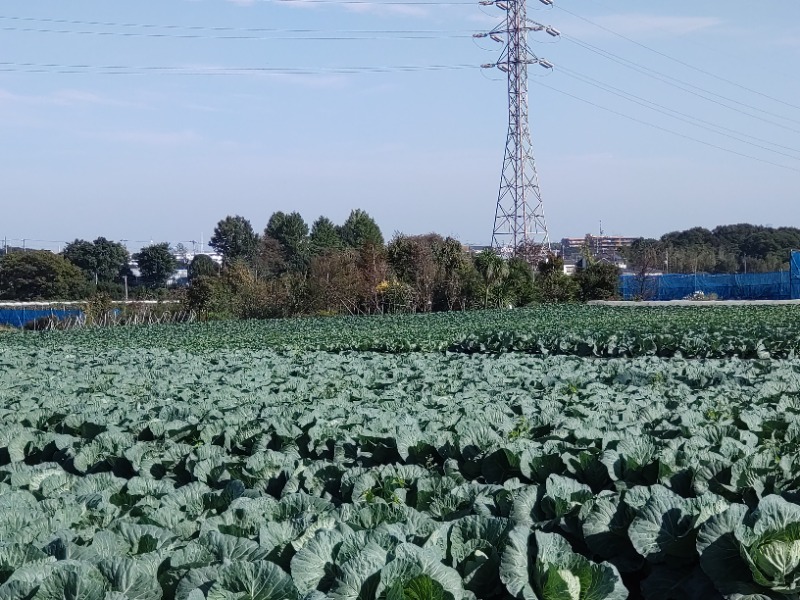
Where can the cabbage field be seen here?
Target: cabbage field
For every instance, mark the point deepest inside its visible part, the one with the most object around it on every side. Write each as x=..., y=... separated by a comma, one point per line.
x=557, y=453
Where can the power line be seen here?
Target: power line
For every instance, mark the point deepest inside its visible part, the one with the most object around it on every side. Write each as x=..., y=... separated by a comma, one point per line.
x=470, y=5
x=681, y=85
x=665, y=129
x=729, y=53
x=678, y=61
x=220, y=29
x=371, y=2
x=65, y=69
x=681, y=116
x=366, y=35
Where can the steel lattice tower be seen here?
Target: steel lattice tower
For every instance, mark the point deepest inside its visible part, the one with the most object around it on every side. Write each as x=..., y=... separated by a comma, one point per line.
x=519, y=223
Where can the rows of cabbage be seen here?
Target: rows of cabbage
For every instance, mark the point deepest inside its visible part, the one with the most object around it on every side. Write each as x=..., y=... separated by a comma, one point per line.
x=706, y=332
x=267, y=475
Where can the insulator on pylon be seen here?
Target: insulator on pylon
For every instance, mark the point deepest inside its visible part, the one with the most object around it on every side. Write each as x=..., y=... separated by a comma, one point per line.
x=488, y=66
x=553, y=31
x=545, y=63
x=548, y=2
x=496, y=37
x=479, y=35
x=486, y=2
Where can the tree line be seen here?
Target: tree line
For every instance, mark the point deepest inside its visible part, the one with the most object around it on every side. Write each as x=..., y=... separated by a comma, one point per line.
x=291, y=268
x=741, y=248
x=296, y=269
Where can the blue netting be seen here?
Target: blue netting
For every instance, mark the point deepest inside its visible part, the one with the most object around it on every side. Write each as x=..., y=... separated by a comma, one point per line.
x=18, y=317
x=750, y=286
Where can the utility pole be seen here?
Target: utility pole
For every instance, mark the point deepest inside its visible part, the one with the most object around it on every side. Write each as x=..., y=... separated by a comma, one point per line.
x=519, y=223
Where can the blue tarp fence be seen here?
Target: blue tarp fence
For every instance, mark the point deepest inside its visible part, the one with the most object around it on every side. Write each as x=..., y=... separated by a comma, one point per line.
x=783, y=285
x=17, y=317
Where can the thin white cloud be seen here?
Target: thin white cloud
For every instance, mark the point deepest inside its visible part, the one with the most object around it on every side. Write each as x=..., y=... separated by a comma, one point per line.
x=150, y=138
x=789, y=41
x=374, y=8
x=299, y=76
x=7, y=97
x=66, y=98
x=388, y=9
x=72, y=97
x=312, y=80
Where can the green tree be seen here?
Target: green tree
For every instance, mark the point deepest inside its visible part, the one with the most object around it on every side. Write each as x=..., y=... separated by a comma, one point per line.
x=451, y=261
x=494, y=270
x=202, y=265
x=413, y=260
x=373, y=270
x=81, y=254
x=209, y=297
x=156, y=264
x=360, y=229
x=552, y=284
x=101, y=260
x=270, y=262
x=40, y=275
x=291, y=232
x=518, y=289
x=436, y=273
x=324, y=236
x=333, y=281
x=235, y=239
x=646, y=257
x=696, y=236
x=730, y=248
x=598, y=281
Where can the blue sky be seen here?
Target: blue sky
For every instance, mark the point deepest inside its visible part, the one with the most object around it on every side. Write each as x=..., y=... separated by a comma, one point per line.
x=153, y=120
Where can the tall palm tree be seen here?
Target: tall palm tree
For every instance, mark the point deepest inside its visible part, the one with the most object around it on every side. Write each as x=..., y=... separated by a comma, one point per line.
x=494, y=270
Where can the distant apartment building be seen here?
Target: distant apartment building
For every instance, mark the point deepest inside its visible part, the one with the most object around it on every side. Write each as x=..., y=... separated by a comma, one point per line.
x=597, y=245
x=606, y=248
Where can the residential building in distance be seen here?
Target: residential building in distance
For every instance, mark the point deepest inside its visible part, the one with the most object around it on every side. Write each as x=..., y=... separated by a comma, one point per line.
x=605, y=248
x=597, y=245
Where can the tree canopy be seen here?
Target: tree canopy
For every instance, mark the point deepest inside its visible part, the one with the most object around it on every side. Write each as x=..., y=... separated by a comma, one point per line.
x=598, y=281
x=360, y=229
x=40, y=275
x=235, y=239
x=101, y=259
x=291, y=233
x=724, y=249
x=324, y=236
x=156, y=264
x=202, y=265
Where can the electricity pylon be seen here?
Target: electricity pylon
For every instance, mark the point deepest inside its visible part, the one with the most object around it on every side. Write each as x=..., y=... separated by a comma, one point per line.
x=519, y=223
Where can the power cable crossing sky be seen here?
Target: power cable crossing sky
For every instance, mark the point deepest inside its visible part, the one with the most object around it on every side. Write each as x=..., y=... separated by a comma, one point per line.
x=692, y=97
